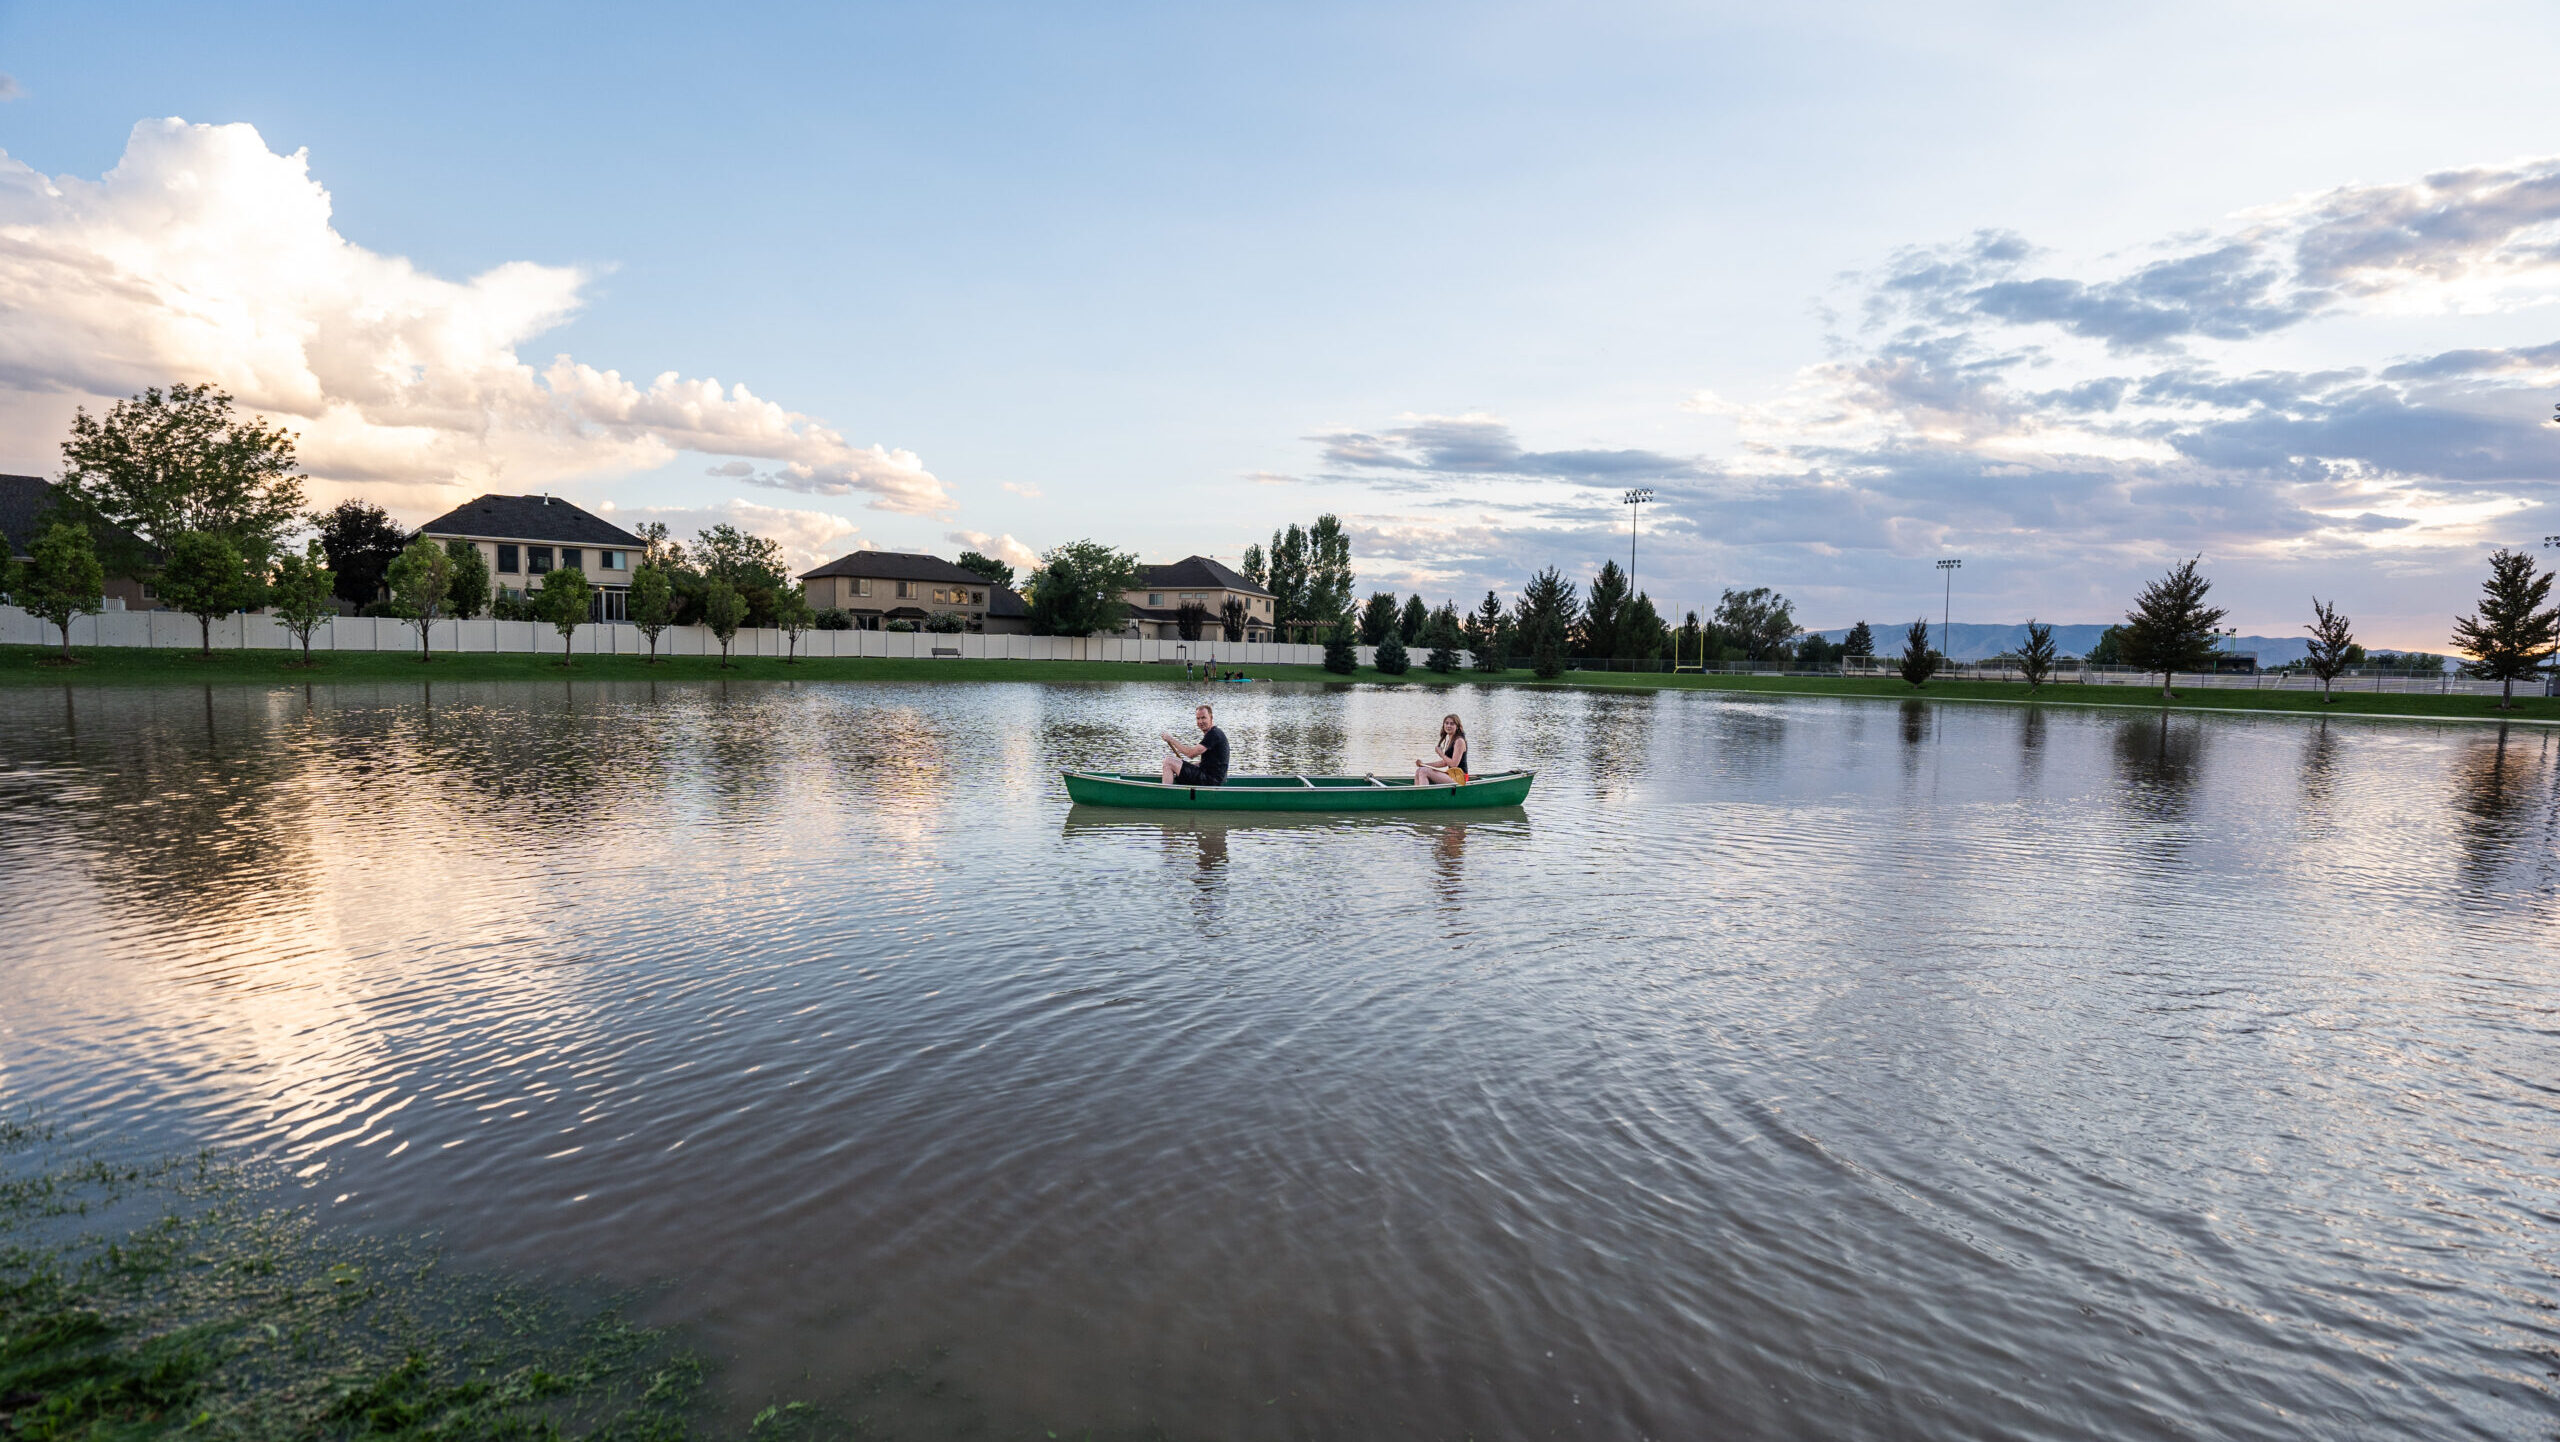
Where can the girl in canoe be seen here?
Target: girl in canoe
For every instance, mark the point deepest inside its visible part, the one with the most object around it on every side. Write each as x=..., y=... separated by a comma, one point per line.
x=1447, y=765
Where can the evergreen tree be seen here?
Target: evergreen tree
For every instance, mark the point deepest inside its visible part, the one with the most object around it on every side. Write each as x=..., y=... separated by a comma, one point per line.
x=2170, y=628
x=1253, y=567
x=1860, y=641
x=1546, y=647
x=470, y=580
x=301, y=593
x=1329, y=575
x=1601, y=611
x=1288, y=583
x=1416, y=615
x=1378, y=617
x=2515, y=631
x=1548, y=598
x=1391, y=655
x=653, y=604
x=1640, y=631
x=2332, y=642
x=2036, y=658
x=420, y=579
x=203, y=575
x=1190, y=620
x=1341, y=655
x=1445, y=635
x=1919, y=658
x=1485, y=634
x=62, y=579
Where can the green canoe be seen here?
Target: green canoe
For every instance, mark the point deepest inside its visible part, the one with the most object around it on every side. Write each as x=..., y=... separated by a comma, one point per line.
x=1300, y=793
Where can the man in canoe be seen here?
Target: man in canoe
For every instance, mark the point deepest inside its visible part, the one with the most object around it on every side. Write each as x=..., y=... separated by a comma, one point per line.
x=1201, y=765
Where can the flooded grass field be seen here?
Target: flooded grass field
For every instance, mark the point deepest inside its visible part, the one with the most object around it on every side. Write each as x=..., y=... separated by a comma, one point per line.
x=1785, y=1067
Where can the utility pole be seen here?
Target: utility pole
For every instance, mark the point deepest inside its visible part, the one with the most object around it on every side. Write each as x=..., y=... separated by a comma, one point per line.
x=1632, y=499
x=1948, y=569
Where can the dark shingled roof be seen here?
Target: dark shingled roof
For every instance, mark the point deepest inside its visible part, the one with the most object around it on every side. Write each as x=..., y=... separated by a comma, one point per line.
x=24, y=500
x=1197, y=573
x=1006, y=601
x=531, y=518
x=895, y=566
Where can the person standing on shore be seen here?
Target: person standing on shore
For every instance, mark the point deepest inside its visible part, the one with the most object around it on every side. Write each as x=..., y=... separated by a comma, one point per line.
x=1202, y=765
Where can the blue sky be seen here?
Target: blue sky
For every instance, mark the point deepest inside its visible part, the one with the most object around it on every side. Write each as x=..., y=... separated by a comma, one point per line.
x=1852, y=288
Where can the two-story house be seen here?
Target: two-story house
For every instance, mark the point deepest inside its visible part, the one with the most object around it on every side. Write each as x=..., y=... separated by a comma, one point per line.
x=24, y=501
x=877, y=587
x=1155, y=605
x=524, y=538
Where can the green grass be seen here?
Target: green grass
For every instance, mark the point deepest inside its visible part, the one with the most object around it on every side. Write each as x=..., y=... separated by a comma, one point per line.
x=129, y=666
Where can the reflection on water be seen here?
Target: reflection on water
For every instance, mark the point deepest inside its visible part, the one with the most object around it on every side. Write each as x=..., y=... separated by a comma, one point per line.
x=1785, y=1068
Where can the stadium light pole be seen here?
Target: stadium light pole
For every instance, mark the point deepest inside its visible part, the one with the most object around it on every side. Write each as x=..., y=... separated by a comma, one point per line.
x=1632, y=499
x=1946, y=616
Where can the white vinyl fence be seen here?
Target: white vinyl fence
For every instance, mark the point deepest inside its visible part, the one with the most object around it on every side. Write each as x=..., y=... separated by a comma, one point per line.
x=174, y=630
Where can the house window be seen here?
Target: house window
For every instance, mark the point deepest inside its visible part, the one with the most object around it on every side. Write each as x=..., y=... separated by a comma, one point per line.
x=613, y=560
x=977, y=598
x=862, y=585
x=572, y=559
x=611, y=603
x=507, y=561
x=537, y=559
x=1155, y=598
x=906, y=590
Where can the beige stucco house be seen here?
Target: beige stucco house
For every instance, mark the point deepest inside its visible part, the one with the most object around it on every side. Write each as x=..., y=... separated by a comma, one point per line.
x=876, y=587
x=1155, y=605
x=523, y=538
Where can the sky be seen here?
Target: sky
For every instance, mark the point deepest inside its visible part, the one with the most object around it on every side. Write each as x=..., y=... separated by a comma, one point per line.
x=2069, y=293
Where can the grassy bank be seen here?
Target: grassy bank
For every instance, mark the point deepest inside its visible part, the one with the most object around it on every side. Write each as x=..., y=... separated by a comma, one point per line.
x=129, y=666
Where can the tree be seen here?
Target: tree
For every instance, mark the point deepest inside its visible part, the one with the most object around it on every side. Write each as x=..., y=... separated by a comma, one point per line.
x=203, y=575
x=1329, y=575
x=722, y=610
x=652, y=603
x=1444, y=635
x=1813, y=650
x=62, y=580
x=2108, y=649
x=2036, y=658
x=421, y=578
x=470, y=580
x=1391, y=655
x=1640, y=630
x=1288, y=582
x=1340, y=657
x=1415, y=616
x=2332, y=639
x=750, y=563
x=1378, y=617
x=1253, y=567
x=1919, y=658
x=1484, y=634
x=2170, y=628
x=566, y=601
x=656, y=549
x=1077, y=590
x=988, y=568
x=1859, y=642
x=795, y=616
x=1190, y=619
x=300, y=593
x=1602, y=608
x=2515, y=630
x=1231, y=618
x=1546, y=647
x=166, y=463
x=1760, y=620
x=361, y=541
x=946, y=623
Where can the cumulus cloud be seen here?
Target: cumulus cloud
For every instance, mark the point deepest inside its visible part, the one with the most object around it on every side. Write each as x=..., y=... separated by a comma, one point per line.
x=1004, y=548
x=808, y=538
x=205, y=256
x=1028, y=493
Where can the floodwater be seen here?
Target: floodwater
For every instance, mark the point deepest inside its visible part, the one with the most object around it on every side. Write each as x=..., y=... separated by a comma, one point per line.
x=1784, y=1068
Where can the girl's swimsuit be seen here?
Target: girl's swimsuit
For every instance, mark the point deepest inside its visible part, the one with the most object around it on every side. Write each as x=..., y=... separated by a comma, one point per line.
x=1447, y=751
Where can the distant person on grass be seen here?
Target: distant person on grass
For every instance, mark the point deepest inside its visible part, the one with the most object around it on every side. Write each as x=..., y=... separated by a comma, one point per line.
x=1207, y=762
x=1447, y=763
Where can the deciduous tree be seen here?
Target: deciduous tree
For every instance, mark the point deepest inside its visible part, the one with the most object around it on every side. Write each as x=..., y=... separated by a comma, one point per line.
x=361, y=541
x=1759, y=620
x=792, y=613
x=2170, y=628
x=988, y=568
x=471, y=580
x=421, y=577
x=62, y=579
x=2333, y=644
x=203, y=575
x=723, y=610
x=653, y=604
x=1078, y=589
x=2516, y=629
x=301, y=592
x=567, y=602
x=166, y=463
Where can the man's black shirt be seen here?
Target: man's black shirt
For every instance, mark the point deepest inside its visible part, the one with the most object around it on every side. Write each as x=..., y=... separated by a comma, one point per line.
x=1213, y=756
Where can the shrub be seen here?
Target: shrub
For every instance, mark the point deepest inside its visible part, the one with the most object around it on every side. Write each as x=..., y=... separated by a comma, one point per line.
x=946, y=623
x=1391, y=656
x=834, y=618
x=899, y=626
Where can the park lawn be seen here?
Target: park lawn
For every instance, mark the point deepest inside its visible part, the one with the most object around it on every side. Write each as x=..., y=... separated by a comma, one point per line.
x=128, y=666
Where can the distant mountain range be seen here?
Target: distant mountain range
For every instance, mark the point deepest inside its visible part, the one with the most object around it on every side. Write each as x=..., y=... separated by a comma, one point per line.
x=1967, y=642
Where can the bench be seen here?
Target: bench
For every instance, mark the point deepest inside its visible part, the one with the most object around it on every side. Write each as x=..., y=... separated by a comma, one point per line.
x=951, y=651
